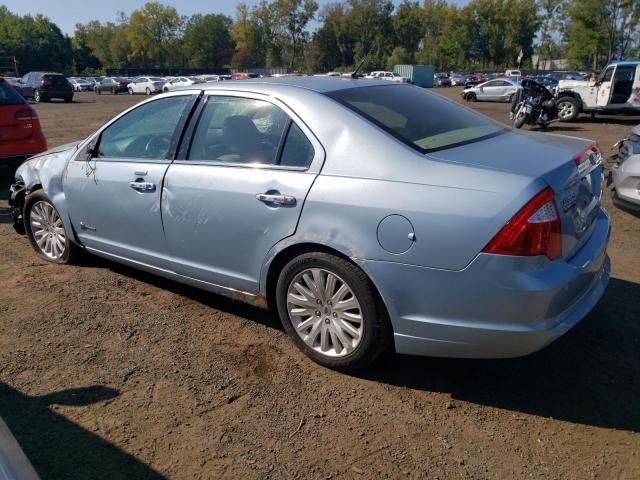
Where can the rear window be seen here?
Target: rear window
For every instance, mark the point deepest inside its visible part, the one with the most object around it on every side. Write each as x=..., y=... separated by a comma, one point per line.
x=55, y=79
x=423, y=120
x=8, y=95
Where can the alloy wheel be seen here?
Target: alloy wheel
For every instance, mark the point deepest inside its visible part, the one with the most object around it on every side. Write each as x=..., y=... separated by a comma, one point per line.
x=325, y=312
x=48, y=230
x=565, y=110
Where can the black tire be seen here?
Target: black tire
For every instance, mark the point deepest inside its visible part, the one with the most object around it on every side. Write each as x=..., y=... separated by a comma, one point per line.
x=165, y=90
x=37, y=97
x=68, y=99
x=147, y=91
x=471, y=97
x=515, y=100
x=568, y=108
x=376, y=329
x=130, y=91
x=511, y=98
x=71, y=250
x=113, y=91
x=520, y=121
x=98, y=91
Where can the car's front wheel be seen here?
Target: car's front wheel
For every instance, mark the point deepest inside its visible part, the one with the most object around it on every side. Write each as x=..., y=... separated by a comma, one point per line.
x=147, y=91
x=130, y=91
x=46, y=231
x=330, y=309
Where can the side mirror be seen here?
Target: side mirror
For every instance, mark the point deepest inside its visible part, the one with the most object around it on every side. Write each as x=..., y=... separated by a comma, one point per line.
x=92, y=149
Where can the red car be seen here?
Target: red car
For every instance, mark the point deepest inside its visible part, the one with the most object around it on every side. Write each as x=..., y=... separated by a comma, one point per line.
x=20, y=132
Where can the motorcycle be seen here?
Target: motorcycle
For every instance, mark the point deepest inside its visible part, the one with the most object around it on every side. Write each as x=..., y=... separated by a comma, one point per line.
x=534, y=105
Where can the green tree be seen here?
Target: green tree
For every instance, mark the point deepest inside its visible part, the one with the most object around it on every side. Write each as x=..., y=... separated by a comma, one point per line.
x=152, y=31
x=409, y=25
x=207, y=41
x=294, y=16
x=36, y=42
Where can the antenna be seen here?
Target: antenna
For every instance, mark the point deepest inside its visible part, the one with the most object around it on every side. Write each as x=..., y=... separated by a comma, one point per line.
x=354, y=75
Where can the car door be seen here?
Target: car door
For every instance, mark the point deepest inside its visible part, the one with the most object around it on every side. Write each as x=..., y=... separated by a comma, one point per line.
x=238, y=190
x=113, y=185
x=604, y=88
x=489, y=91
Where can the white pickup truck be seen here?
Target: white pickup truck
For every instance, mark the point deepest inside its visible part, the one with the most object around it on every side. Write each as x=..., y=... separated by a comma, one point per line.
x=616, y=91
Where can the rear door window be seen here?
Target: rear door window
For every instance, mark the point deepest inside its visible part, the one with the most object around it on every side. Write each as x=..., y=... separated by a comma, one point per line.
x=239, y=130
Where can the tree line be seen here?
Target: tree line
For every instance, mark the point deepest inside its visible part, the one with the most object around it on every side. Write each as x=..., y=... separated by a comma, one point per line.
x=483, y=34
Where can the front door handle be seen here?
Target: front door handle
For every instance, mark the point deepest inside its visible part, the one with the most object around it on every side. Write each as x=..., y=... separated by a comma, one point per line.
x=143, y=186
x=276, y=198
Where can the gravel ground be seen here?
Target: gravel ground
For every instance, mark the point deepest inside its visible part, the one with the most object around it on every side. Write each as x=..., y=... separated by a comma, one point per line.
x=107, y=372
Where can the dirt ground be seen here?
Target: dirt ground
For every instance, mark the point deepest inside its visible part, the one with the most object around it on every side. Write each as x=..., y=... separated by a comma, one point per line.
x=107, y=372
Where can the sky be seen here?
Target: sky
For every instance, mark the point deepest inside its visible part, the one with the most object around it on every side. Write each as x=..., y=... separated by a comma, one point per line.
x=66, y=13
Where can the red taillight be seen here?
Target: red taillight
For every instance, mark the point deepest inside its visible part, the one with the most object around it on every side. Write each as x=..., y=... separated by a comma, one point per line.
x=45, y=83
x=591, y=153
x=25, y=115
x=534, y=230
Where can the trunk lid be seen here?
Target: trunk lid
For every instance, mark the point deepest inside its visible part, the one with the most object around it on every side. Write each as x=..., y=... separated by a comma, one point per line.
x=577, y=188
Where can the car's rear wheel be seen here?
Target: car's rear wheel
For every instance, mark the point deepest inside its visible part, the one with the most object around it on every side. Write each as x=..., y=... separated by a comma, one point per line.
x=68, y=99
x=330, y=309
x=46, y=231
x=147, y=91
x=98, y=91
x=568, y=109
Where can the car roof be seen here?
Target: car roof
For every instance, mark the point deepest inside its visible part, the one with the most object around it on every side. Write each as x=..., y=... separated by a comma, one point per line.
x=625, y=64
x=316, y=84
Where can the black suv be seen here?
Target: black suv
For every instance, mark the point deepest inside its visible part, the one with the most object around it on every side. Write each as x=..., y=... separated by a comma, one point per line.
x=43, y=86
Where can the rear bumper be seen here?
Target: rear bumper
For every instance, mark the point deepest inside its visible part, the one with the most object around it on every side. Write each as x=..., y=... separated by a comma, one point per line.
x=498, y=306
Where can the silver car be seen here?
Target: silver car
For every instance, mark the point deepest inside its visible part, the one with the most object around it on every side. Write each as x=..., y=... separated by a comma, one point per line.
x=343, y=207
x=625, y=173
x=498, y=90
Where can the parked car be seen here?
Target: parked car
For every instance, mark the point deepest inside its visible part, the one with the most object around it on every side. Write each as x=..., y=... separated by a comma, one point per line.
x=244, y=75
x=625, y=173
x=211, y=78
x=617, y=91
x=473, y=80
x=80, y=85
x=20, y=132
x=44, y=86
x=498, y=90
x=178, y=82
x=389, y=76
x=112, y=85
x=549, y=82
x=513, y=73
x=441, y=80
x=456, y=79
x=146, y=85
x=351, y=213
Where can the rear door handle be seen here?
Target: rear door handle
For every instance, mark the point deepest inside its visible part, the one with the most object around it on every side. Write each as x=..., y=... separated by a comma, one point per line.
x=143, y=186
x=276, y=198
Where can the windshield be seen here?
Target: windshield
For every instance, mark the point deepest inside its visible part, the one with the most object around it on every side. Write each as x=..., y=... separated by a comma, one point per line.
x=423, y=120
x=156, y=79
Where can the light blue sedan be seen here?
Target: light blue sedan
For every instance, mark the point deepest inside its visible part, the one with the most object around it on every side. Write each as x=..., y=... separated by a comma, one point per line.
x=365, y=213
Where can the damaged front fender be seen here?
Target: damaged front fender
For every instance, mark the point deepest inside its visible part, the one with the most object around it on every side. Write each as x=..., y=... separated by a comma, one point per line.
x=45, y=172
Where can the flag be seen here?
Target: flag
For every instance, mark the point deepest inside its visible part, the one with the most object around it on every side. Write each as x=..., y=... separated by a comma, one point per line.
x=520, y=55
